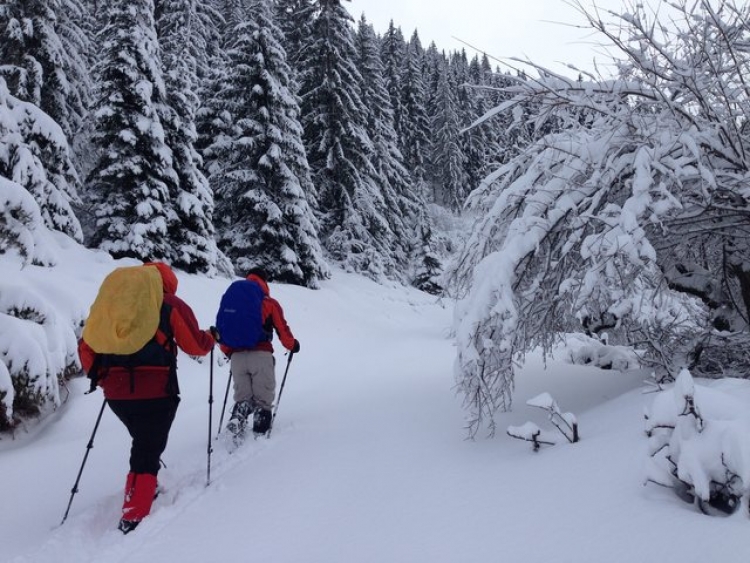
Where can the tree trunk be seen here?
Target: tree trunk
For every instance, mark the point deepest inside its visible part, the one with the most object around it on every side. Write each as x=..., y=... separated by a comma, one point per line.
x=743, y=276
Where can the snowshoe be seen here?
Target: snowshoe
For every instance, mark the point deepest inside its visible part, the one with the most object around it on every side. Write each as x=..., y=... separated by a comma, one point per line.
x=721, y=504
x=237, y=422
x=127, y=526
x=262, y=421
x=235, y=427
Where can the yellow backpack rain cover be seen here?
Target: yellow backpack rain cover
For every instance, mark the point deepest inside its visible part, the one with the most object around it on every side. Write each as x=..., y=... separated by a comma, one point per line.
x=125, y=314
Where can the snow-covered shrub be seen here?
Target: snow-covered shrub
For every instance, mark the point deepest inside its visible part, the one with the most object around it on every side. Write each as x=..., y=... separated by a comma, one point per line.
x=565, y=422
x=22, y=229
x=37, y=352
x=34, y=153
x=698, y=443
x=584, y=350
x=427, y=265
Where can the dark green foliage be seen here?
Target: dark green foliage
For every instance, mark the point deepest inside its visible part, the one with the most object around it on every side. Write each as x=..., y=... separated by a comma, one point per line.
x=190, y=231
x=43, y=51
x=257, y=165
x=134, y=176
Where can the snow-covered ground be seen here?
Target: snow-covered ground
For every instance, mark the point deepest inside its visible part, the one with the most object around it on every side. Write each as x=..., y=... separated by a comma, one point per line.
x=368, y=462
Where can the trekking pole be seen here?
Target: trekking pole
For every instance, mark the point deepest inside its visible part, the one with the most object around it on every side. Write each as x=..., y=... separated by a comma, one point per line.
x=210, y=416
x=281, y=390
x=224, y=407
x=89, y=446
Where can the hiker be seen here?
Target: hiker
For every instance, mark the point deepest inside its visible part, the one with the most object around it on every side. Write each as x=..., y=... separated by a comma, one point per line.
x=141, y=388
x=253, y=364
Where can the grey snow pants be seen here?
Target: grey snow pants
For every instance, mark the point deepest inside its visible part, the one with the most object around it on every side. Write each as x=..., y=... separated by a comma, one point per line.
x=253, y=372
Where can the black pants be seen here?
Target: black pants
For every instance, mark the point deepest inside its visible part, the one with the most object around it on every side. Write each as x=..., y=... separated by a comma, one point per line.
x=148, y=421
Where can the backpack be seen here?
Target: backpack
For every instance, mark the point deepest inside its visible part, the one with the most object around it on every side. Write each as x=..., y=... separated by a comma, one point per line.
x=239, y=320
x=126, y=313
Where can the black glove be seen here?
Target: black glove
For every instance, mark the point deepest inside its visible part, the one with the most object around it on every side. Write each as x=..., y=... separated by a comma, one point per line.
x=295, y=348
x=214, y=333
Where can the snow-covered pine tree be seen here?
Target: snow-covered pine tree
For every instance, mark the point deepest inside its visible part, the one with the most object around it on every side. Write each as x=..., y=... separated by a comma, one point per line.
x=393, y=56
x=447, y=161
x=414, y=131
x=215, y=116
x=209, y=121
x=133, y=175
x=476, y=141
x=43, y=54
x=191, y=230
x=294, y=18
x=494, y=80
x=259, y=169
x=489, y=95
x=434, y=65
x=633, y=206
x=488, y=153
x=355, y=227
x=393, y=179
x=23, y=227
x=409, y=222
x=37, y=156
x=205, y=31
x=458, y=65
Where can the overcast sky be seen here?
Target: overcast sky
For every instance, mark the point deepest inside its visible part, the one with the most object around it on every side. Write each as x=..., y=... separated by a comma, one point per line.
x=503, y=28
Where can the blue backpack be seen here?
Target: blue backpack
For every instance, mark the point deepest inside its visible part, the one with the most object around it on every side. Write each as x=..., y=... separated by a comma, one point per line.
x=239, y=320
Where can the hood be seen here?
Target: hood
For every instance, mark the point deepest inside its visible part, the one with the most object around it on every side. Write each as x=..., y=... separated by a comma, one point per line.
x=263, y=285
x=168, y=278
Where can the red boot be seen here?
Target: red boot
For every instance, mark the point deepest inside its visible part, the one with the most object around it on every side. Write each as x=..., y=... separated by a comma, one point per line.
x=139, y=494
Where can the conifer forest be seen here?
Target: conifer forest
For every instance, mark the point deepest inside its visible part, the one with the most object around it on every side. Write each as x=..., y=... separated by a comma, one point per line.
x=223, y=135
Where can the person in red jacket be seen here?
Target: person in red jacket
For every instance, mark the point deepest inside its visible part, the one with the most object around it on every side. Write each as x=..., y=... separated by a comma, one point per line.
x=253, y=371
x=142, y=390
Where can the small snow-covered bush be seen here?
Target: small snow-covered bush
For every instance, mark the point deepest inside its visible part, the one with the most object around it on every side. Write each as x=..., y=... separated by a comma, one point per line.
x=698, y=442
x=584, y=350
x=37, y=352
x=21, y=225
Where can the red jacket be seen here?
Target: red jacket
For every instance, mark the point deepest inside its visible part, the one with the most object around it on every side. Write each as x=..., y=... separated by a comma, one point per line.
x=151, y=382
x=273, y=318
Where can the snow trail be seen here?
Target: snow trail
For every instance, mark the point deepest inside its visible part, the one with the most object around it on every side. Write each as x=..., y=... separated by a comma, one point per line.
x=368, y=461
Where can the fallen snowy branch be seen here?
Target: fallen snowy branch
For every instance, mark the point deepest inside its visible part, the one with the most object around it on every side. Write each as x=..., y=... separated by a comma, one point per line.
x=566, y=424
